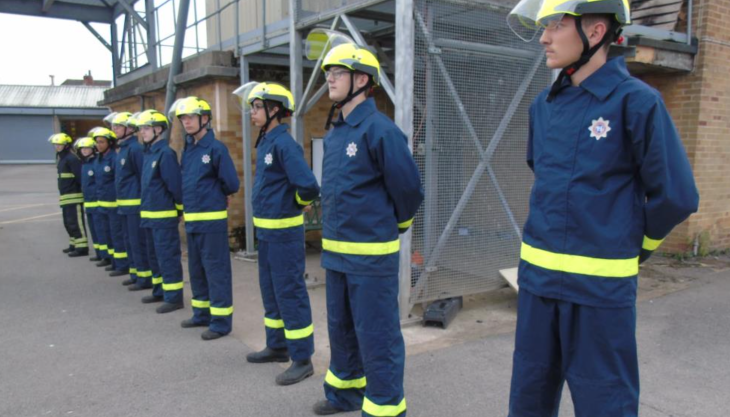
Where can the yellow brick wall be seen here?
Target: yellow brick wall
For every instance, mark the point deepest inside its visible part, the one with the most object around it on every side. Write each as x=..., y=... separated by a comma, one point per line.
x=700, y=106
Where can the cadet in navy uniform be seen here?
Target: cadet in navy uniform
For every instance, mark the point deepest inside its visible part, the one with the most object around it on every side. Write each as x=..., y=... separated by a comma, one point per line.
x=161, y=210
x=209, y=178
x=611, y=181
x=284, y=186
x=86, y=150
x=371, y=190
x=127, y=182
x=110, y=226
x=71, y=198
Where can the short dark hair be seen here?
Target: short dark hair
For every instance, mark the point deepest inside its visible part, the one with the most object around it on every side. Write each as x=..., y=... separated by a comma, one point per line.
x=608, y=19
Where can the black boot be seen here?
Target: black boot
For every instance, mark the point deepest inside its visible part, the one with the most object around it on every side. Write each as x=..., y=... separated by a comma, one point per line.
x=211, y=335
x=69, y=249
x=94, y=259
x=297, y=372
x=325, y=408
x=109, y=268
x=168, y=307
x=78, y=252
x=149, y=299
x=137, y=287
x=189, y=323
x=104, y=262
x=268, y=355
x=128, y=281
x=119, y=273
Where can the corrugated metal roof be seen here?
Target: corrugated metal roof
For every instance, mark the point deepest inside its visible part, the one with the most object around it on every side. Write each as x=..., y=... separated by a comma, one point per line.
x=62, y=96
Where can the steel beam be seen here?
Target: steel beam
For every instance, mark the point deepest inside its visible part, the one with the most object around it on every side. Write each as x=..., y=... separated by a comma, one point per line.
x=47, y=5
x=98, y=37
x=152, y=57
x=314, y=76
x=115, y=54
x=326, y=15
x=133, y=12
x=78, y=12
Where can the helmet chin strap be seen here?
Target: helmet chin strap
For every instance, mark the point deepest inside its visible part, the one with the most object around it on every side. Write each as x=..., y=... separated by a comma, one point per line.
x=585, y=56
x=350, y=96
x=269, y=118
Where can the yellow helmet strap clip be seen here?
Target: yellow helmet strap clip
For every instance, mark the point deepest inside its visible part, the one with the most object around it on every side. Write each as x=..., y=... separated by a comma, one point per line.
x=613, y=32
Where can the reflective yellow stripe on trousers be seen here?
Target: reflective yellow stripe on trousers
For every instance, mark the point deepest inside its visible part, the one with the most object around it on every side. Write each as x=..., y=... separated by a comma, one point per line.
x=200, y=303
x=584, y=265
x=175, y=286
x=361, y=248
x=383, y=410
x=221, y=311
x=332, y=380
x=211, y=215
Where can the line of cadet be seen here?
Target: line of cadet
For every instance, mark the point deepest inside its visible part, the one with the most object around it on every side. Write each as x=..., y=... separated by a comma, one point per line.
x=611, y=181
x=134, y=193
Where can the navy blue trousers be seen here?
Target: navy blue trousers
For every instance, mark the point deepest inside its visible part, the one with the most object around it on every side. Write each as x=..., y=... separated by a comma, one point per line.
x=593, y=349
x=209, y=264
x=116, y=226
x=103, y=232
x=368, y=353
x=91, y=222
x=164, y=246
x=287, y=312
x=136, y=244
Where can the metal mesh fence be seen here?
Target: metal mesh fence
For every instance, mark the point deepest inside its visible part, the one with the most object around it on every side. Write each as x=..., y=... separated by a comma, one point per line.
x=474, y=82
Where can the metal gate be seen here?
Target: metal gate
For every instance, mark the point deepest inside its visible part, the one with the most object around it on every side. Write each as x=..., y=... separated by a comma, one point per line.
x=474, y=82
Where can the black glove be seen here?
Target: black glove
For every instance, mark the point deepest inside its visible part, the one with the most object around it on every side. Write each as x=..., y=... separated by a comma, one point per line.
x=644, y=255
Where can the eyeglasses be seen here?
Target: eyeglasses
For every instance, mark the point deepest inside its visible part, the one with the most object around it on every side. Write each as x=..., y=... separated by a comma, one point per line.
x=256, y=107
x=336, y=75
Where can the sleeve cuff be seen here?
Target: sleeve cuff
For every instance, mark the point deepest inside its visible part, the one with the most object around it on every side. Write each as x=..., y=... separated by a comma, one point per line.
x=403, y=227
x=651, y=244
x=302, y=202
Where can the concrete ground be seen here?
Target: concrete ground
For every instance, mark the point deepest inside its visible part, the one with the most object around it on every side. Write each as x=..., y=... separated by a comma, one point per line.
x=74, y=342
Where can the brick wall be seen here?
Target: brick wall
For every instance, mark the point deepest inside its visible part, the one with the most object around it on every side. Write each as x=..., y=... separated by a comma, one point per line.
x=700, y=106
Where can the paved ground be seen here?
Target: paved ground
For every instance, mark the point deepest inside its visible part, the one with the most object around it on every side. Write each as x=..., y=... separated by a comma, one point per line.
x=74, y=342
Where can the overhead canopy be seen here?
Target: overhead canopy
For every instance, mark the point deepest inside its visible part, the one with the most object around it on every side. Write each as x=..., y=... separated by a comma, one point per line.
x=96, y=11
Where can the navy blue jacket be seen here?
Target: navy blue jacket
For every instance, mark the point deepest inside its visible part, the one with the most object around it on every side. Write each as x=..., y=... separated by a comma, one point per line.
x=104, y=169
x=69, y=178
x=611, y=179
x=128, y=176
x=284, y=185
x=371, y=191
x=88, y=185
x=208, y=176
x=161, y=187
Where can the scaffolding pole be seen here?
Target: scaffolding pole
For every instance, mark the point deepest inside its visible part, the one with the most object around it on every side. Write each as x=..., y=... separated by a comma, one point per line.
x=250, y=251
x=296, y=73
x=404, y=39
x=176, y=65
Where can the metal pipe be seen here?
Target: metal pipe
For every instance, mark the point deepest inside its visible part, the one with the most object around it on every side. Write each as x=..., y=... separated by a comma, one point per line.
x=403, y=99
x=176, y=63
x=115, y=53
x=313, y=101
x=689, y=22
x=296, y=73
x=220, y=34
x=247, y=165
x=315, y=72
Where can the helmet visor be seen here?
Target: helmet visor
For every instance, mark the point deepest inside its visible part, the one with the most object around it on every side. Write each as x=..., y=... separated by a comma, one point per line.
x=243, y=92
x=529, y=17
x=321, y=41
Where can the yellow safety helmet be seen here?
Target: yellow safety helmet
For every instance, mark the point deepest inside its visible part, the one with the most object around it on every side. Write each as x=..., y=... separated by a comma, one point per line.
x=354, y=58
x=60, y=139
x=118, y=118
x=84, y=142
x=528, y=16
x=104, y=133
x=192, y=105
x=152, y=117
x=273, y=92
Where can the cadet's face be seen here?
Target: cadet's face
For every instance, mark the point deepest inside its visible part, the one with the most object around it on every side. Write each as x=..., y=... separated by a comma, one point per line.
x=147, y=133
x=119, y=130
x=191, y=122
x=86, y=151
x=59, y=148
x=102, y=144
x=338, y=82
x=258, y=113
x=562, y=43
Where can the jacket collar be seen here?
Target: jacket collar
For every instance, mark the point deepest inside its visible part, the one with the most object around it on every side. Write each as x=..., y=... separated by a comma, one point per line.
x=205, y=142
x=606, y=79
x=359, y=113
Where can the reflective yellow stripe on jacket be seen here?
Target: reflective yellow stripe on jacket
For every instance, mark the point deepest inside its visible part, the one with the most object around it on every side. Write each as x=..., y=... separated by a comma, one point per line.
x=108, y=204
x=211, y=215
x=91, y=204
x=584, y=265
x=66, y=175
x=361, y=248
x=128, y=203
x=279, y=223
x=165, y=214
